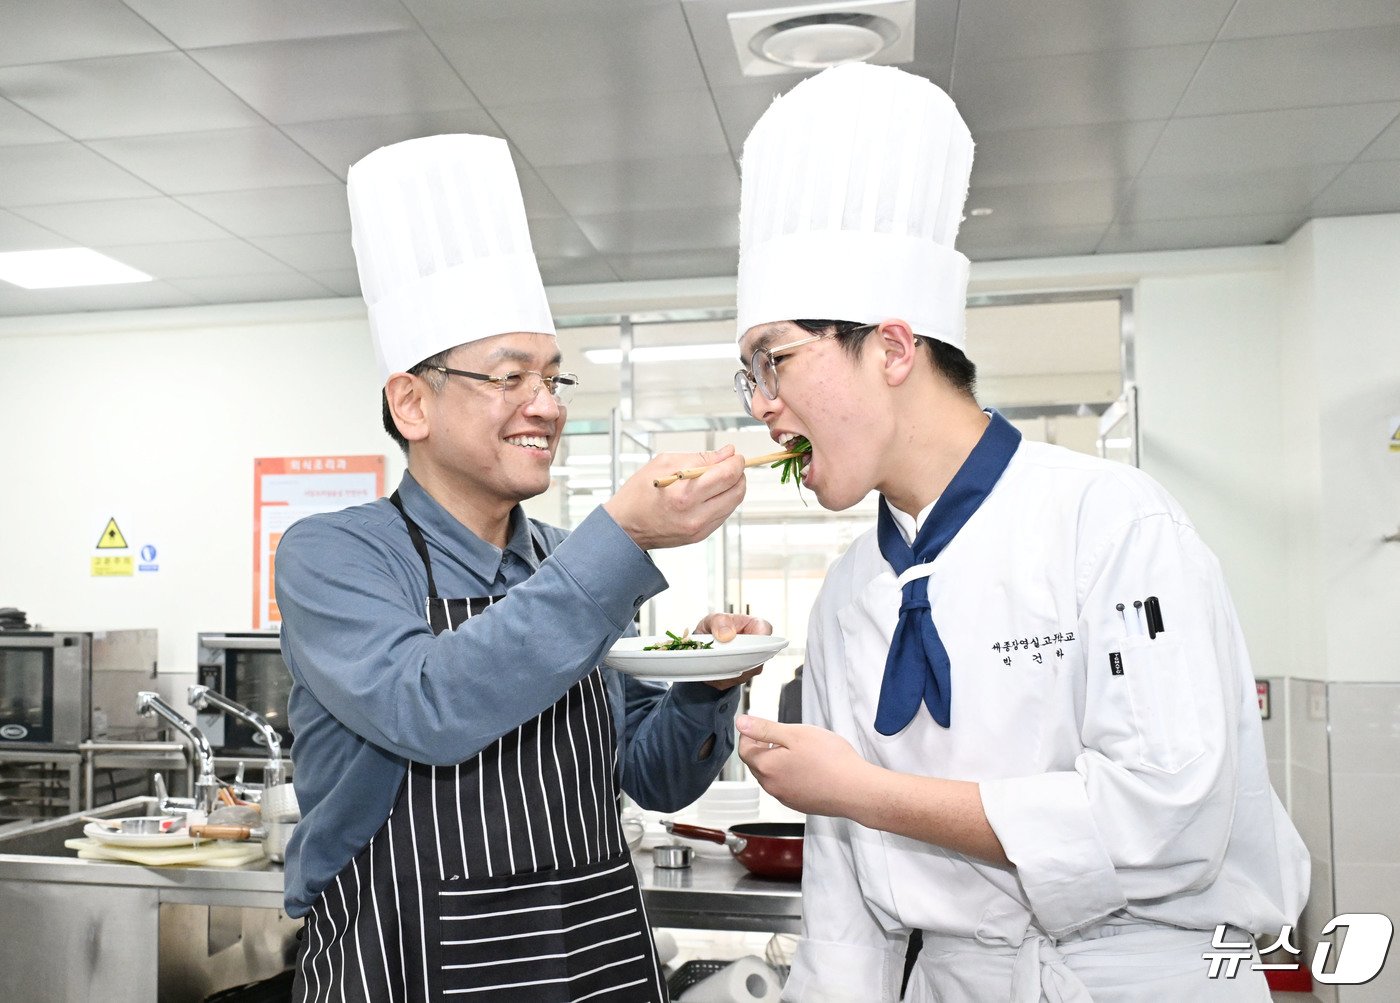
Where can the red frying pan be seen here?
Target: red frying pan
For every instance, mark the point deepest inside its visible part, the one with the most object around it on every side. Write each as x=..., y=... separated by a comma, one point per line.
x=766, y=849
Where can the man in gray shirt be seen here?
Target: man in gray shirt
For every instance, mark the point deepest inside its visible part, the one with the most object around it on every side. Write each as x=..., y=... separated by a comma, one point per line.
x=459, y=750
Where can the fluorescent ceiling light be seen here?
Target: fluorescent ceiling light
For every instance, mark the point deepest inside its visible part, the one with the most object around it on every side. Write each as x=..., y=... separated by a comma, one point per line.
x=663, y=353
x=68, y=266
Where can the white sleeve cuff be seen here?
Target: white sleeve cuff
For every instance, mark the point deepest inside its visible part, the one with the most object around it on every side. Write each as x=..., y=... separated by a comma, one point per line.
x=826, y=972
x=1048, y=832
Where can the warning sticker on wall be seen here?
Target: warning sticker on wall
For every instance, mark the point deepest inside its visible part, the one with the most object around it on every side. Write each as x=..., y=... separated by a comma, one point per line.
x=1395, y=433
x=114, y=566
x=111, y=538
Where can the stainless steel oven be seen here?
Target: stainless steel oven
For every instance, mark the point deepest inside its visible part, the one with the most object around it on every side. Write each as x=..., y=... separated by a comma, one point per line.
x=248, y=669
x=45, y=689
x=58, y=689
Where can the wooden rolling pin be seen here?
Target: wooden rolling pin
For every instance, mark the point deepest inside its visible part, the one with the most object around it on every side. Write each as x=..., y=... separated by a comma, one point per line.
x=690, y=473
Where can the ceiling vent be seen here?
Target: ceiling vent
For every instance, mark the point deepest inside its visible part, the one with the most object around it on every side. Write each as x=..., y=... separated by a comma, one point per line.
x=814, y=36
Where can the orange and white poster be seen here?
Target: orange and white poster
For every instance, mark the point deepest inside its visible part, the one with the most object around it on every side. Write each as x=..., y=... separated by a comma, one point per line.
x=289, y=487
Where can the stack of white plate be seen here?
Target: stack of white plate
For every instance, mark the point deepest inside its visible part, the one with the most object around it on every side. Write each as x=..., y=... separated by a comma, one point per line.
x=726, y=803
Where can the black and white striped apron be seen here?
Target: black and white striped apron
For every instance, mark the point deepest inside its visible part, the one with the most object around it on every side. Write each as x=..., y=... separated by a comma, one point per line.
x=503, y=878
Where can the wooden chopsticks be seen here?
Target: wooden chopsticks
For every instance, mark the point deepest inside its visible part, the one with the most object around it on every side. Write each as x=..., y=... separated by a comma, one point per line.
x=690, y=473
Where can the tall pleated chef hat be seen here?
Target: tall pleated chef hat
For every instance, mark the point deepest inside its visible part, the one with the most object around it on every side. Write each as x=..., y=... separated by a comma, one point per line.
x=443, y=250
x=853, y=190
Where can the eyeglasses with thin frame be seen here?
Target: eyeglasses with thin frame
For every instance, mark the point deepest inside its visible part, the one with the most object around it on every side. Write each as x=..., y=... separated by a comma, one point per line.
x=763, y=367
x=517, y=388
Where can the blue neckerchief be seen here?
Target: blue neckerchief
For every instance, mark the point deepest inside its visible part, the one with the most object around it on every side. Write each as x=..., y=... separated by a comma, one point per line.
x=917, y=667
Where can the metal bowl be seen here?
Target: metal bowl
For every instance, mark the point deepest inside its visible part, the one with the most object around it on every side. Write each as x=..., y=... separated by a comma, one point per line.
x=671, y=855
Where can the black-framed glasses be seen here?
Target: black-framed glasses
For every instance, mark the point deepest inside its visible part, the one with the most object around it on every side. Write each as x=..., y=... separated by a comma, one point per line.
x=519, y=387
x=763, y=367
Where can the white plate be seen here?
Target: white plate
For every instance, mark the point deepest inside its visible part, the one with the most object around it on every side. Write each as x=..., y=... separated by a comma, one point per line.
x=723, y=661
x=111, y=837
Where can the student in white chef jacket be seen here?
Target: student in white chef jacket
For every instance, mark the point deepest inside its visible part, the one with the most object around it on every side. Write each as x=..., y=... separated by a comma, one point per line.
x=1065, y=799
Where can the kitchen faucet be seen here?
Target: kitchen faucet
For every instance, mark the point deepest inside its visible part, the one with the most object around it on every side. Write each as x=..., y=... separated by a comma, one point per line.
x=206, y=788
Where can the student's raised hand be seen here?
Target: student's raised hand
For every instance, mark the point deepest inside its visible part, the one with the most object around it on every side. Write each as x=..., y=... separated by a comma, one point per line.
x=809, y=769
x=725, y=627
x=686, y=511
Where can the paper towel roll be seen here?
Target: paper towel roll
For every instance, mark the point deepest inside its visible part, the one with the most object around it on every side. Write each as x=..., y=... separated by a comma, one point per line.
x=748, y=980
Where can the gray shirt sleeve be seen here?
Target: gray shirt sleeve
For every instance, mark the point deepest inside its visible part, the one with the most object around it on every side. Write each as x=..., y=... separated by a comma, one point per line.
x=362, y=646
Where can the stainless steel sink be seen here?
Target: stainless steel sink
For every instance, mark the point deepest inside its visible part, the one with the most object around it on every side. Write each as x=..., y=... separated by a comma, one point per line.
x=45, y=838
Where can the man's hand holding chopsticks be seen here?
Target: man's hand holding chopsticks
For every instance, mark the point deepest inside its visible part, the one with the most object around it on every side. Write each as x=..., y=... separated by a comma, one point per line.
x=688, y=511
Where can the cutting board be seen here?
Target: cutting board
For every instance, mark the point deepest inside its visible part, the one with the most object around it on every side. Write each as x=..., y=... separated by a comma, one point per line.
x=216, y=853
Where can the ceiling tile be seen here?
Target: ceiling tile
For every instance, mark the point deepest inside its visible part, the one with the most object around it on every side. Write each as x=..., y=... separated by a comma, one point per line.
x=197, y=259
x=1282, y=191
x=1261, y=141
x=74, y=29
x=20, y=234
x=251, y=288
x=276, y=211
x=1256, y=18
x=82, y=299
x=540, y=202
x=1386, y=146
x=1364, y=187
x=559, y=237
x=529, y=59
x=676, y=230
x=124, y=221
x=18, y=126
x=676, y=264
x=1180, y=234
x=1297, y=71
x=1121, y=86
x=1066, y=153
x=575, y=271
x=193, y=24
x=1029, y=242
x=740, y=108
x=630, y=185
x=338, y=143
x=637, y=127
x=1014, y=29
x=221, y=161
x=350, y=75
x=310, y=252
x=125, y=96
x=64, y=172
x=340, y=281
x=1061, y=203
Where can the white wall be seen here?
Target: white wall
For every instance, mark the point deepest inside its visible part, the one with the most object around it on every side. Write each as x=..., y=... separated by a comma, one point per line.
x=1262, y=370
x=155, y=420
x=1208, y=375
x=1356, y=262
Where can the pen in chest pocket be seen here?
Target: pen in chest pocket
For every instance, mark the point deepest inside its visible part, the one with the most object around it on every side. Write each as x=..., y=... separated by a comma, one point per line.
x=1154, y=617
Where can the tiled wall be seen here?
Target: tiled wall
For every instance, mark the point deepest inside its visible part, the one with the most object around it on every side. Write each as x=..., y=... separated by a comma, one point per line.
x=1334, y=758
x=1310, y=804
x=1364, y=720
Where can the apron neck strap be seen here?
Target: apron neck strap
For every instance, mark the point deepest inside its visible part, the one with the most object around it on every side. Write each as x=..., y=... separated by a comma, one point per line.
x=417, y=537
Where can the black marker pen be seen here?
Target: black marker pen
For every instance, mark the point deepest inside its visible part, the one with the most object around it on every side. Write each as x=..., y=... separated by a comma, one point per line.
x=1154, y=617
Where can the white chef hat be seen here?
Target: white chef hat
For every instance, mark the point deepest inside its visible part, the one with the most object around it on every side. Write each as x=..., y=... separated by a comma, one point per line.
x=438, y=227
x=853, y=189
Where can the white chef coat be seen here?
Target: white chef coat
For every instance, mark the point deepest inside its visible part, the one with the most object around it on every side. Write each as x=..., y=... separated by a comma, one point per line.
x=1136, y=807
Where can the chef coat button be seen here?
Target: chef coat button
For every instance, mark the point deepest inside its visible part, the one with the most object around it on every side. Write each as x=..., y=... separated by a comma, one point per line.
x=638, y=601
